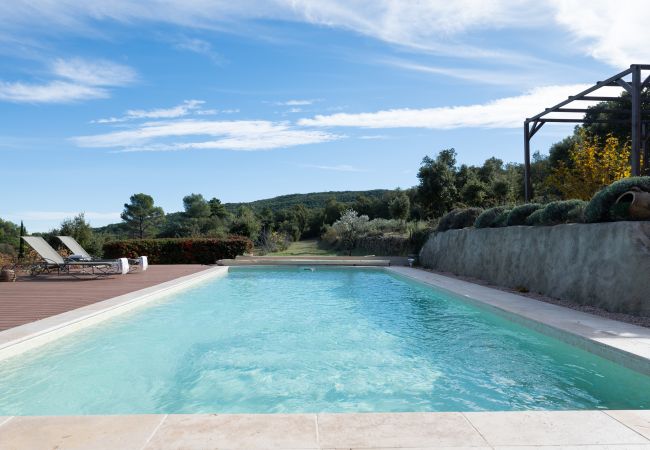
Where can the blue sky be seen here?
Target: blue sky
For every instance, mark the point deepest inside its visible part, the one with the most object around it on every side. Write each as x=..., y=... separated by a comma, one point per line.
x=253, y=99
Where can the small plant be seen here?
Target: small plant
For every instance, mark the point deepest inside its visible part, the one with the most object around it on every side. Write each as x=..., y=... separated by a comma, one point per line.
x=519, y=214
x=599, y=208
x=489, y=217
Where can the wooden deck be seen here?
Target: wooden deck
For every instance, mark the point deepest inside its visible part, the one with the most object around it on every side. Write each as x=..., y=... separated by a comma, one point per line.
x=30, y=299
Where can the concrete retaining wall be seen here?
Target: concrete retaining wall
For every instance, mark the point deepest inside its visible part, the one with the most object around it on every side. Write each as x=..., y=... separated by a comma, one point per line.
x=602, y=264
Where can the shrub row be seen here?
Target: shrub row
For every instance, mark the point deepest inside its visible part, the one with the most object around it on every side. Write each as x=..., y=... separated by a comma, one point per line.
x=493, y=217
x=179, y=251
x=459, y=218
x=601, y=208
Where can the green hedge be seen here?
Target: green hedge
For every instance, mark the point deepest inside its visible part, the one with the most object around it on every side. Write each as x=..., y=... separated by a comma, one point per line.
x=459, y=218
x=599, y=208
x=555, y=213
x=492, y=217
x=179, y=251
x=519, y=214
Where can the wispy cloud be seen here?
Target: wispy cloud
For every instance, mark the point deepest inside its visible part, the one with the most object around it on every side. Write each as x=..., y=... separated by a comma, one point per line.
x=51, y=92
x=75, y=80
x=606, y=30
x=184, y=109
x=227, y=135
x=337, y=168
x=200, y=47
x=508, y=112
x=93, y=73
x=304, y=102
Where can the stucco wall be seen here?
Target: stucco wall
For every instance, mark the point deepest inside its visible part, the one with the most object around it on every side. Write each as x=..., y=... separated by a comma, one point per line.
x=602, y=264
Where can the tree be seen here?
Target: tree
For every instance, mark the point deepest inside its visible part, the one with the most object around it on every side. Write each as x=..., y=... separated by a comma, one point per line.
x=349, y=227
x=437, y=190
x=595, y=164
x=246, y=224
x=400, y=206
x=82, y=232
x=141, y=214
x=196, y=206
x=333, y=210
x=217, y=209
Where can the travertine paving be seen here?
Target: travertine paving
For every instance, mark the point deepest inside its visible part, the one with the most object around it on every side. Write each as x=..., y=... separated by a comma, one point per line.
x=490, y=430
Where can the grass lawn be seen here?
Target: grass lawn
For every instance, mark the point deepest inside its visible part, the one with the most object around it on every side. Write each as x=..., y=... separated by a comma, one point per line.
x=305, y=248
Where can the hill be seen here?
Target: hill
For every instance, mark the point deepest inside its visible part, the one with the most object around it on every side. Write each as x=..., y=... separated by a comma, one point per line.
x=311, y=200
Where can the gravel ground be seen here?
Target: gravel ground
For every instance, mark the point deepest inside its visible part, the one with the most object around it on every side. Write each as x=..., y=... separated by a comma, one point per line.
x=621, y=317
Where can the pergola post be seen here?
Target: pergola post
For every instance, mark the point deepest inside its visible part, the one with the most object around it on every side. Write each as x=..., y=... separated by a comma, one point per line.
x=636, y=121
x=527, y=184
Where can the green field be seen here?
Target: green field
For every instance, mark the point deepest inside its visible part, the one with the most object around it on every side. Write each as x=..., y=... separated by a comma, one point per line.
x=305, y=248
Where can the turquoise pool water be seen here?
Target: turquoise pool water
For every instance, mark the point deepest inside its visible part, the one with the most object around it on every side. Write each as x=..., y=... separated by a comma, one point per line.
x=290, y=340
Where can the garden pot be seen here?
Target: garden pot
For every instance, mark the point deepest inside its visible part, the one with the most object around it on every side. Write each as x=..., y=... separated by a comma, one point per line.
x=639, y=203
x=7, y=275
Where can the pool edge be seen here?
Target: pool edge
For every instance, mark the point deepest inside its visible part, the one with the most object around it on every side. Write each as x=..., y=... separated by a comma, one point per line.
x=620, y=342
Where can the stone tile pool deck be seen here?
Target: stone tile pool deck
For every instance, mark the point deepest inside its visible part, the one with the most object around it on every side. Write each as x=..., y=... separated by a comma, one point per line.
x=627, y=344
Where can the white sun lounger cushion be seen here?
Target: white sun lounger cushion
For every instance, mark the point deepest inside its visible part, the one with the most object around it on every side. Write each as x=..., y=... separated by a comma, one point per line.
x=144, y=263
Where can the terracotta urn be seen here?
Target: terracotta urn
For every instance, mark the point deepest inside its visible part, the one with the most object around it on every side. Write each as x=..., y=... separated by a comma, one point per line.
x=639, y=203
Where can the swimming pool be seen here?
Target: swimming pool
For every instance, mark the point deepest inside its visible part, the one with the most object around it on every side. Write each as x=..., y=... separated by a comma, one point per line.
x=289, y=340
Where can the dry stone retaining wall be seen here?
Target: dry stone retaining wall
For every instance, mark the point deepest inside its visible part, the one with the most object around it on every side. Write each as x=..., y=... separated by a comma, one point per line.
x=602, y=264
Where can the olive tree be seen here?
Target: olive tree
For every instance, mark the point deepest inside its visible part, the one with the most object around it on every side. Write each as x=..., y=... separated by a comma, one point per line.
x=349, y=227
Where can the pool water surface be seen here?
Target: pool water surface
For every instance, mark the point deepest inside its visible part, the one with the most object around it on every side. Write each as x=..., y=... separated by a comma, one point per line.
x=288, y=340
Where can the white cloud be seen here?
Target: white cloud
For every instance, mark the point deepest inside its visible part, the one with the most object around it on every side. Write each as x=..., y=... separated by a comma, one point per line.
x=77, y=80
x=185, y=108
x=614, y=32
x=508, y=112
x=338, y=168
x=230, y=135
x=93, y=73
x=52, y=92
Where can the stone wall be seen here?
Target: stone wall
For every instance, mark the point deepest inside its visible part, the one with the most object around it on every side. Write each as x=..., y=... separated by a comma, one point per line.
x=602, y=264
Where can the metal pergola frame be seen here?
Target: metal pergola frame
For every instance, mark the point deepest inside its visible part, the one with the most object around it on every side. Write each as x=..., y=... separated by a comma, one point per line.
x=640, y=131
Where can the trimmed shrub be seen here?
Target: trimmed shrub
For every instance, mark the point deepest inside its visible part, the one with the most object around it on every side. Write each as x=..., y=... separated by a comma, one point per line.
x=519, y=214
x=555, y=213
x=459, y=218
x=535, y=218
x=489, y=217
x=179, y=251
x=502, y=219
x=599, y=208
x=577, y=214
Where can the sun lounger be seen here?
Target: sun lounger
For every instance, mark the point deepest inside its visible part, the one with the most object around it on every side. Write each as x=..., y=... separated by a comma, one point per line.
x=80, y=254
x=52, y=261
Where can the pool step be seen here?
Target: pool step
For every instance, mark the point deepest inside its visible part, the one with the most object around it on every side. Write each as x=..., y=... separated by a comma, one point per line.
x=306, y=261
